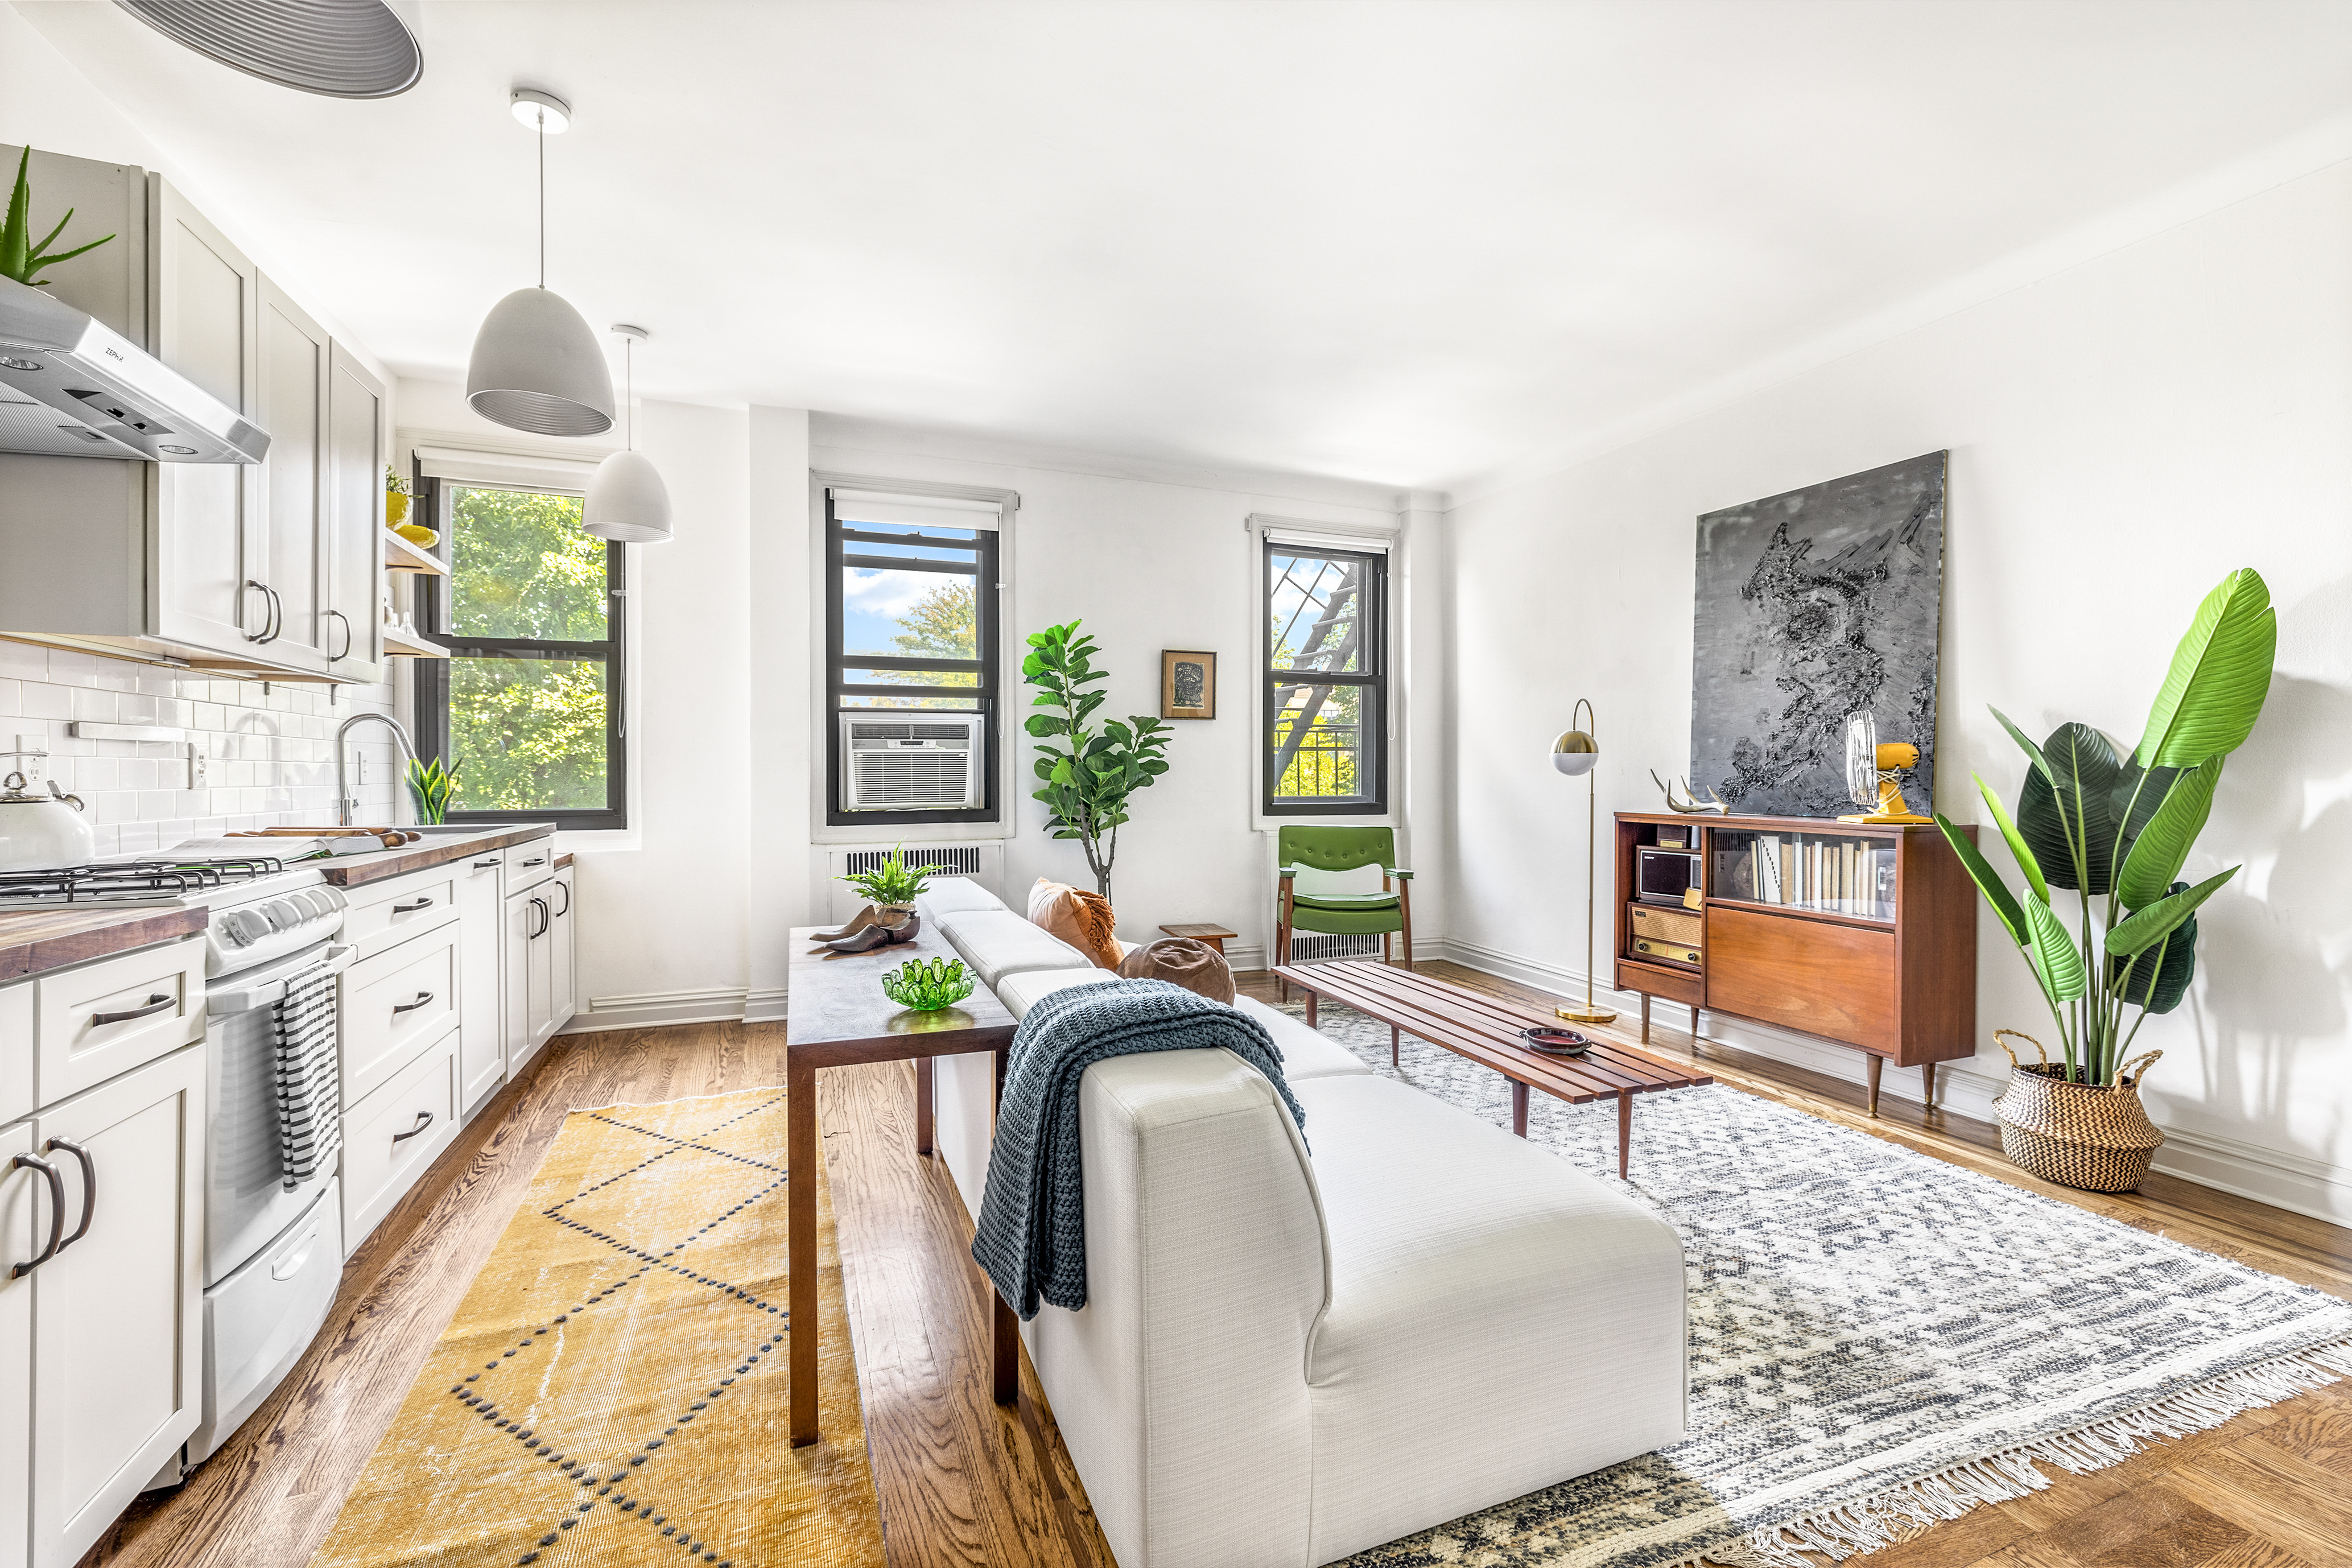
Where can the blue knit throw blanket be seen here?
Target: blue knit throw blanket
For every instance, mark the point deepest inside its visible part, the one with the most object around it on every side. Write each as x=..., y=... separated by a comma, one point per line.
x=1032, y=1234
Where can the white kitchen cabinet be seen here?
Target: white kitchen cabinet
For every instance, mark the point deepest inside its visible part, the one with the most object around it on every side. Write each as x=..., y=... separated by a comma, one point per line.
x=564, y=974
x=118, y=1311
x=357, y=440
x=481, y=1049
x=288, y=546
x=392, y=1136
x=530, y=977
x=25, y=1217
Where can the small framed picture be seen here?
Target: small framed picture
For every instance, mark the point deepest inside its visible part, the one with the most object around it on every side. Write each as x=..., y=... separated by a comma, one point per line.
x=1188, y=684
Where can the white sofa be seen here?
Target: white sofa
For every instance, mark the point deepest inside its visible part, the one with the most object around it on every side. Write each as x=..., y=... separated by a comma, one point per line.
x=1288, y=1356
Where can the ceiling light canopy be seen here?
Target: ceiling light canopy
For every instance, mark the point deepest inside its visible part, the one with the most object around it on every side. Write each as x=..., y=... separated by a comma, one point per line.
x=342, y=48
x=626, y=499
x=536, y=366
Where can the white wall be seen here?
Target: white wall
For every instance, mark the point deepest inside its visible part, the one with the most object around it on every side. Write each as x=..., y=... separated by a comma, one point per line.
x=2122, y=434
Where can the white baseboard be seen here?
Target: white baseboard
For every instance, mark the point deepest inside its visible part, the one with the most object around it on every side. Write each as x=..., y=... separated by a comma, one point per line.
x=2281, y=1178
x=654, y=1009
x=765, y=1005
x=1240, y=956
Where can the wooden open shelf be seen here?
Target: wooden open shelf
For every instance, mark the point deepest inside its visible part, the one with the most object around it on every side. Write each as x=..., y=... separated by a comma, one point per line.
x=398, y=644
x=399, y=556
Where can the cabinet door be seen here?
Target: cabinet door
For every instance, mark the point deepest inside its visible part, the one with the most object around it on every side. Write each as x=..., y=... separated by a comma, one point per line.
x=118, y=1314
x=355, y=462
x=292, y=559
x=25, y=1221
x=564, y=976
x=204, y=310
x=481, y=1047
x=529, y=1007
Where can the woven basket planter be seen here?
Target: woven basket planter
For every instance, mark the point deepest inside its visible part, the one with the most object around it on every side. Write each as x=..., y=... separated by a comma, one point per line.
x=2093, y=1137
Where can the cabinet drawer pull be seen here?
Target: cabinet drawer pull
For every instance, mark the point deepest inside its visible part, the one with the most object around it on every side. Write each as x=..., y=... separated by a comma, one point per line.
x=156, y=1003
x=56, y=1210
x=88, y=1184
x=424, y=1120
x=486, y=864
x=422, y=998
x=412, y=909
x=541, y=860
x=546, y=917
x=566, y=887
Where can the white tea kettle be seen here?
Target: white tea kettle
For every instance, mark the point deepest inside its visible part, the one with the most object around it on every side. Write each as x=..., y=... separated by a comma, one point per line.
x=41, y=832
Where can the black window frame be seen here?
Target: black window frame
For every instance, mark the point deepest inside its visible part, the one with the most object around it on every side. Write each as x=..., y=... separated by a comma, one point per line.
x=431, y=685
x=840, y=692
x=1371, y=675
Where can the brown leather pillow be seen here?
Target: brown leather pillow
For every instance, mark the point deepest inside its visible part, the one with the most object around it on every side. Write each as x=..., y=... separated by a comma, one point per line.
x=1181, y=960
x=1081, y=918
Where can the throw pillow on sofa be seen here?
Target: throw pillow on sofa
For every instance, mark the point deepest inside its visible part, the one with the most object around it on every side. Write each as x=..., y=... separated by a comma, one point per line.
x=1179, y=959
x=1079, y=918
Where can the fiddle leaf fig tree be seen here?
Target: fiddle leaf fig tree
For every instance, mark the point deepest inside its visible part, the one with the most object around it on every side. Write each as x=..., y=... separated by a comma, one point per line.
x=1089, y=774
x=2120, y=829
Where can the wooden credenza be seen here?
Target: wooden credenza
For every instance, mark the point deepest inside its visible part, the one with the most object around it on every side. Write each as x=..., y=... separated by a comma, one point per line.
x=1862, y=935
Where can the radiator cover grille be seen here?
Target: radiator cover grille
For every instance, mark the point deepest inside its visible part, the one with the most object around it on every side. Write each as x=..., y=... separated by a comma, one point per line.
x=1321, y=947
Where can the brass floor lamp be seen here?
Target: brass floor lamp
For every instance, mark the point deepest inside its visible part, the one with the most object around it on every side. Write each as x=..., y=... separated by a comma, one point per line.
x=1573, y=754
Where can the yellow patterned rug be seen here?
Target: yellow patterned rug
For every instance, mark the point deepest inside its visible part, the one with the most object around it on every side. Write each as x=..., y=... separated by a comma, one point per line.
x=613, y=1390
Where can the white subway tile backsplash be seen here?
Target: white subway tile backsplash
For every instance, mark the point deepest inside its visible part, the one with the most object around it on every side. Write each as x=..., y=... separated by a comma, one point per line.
x=46, y=701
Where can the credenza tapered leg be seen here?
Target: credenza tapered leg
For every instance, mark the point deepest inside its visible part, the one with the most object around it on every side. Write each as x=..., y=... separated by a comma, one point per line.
x=1877, y=1064
x=1927, y=1083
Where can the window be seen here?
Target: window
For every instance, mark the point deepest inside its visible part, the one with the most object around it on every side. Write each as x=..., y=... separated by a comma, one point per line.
x=910, y=659
x=1325, y=737
x=528, y=705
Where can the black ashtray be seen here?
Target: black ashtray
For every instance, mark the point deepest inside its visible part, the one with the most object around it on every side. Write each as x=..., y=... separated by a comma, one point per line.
x=1556, y=1042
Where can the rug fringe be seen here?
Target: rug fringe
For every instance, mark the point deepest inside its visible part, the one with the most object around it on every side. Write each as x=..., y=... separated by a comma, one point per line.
x=1866, y=1525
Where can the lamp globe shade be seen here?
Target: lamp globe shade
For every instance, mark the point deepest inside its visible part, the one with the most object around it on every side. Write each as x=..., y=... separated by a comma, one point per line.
x=628, y=502
x=537, y=367
x=1574, y=754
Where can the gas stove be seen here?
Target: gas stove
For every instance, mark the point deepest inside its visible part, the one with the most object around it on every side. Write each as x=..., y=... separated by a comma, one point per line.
x=147, y=882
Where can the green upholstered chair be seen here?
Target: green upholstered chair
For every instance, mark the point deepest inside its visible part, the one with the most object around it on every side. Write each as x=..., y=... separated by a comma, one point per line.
x=1388, y=911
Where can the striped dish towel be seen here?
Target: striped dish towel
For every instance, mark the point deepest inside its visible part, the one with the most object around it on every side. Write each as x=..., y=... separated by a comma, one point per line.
x=310, y=1126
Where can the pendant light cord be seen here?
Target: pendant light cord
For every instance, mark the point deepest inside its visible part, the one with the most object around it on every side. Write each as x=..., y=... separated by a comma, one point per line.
x=542, y=197
x=629, y=374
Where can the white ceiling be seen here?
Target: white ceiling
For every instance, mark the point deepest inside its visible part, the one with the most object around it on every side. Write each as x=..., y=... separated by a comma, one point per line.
x=1402, y=243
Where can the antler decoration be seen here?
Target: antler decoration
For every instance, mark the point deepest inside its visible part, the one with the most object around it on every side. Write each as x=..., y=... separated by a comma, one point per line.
x=1689, y=805
x=18, y=257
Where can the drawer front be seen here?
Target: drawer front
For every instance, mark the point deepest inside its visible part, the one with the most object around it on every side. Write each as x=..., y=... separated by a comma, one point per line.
x=1835, y=981
x=1680, y=927
x=393, y=1004
x=1650, y=979
x=385, y=916
x=529, y=864
x=390, y=1137
x=108, y=1018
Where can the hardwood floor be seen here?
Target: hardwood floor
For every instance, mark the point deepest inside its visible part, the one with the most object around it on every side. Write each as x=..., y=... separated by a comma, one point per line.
x=965, y=1481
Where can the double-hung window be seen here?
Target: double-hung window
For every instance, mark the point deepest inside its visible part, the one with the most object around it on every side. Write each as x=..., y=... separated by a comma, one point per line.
x=528, y=707
x=912, y=654
x=1325, y=681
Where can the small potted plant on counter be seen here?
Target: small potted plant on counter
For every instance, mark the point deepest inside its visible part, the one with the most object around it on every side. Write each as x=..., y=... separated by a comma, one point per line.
x=891, y=886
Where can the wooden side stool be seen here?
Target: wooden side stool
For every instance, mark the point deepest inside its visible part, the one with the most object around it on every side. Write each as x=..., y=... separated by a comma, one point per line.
x=1214, y=935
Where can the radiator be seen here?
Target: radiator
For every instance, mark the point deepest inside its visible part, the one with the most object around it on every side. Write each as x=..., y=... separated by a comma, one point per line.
x=983, y=862
x=1321, y=947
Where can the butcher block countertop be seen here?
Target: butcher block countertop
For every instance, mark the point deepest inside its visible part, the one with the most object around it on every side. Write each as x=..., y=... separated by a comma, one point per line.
x=33, y=942
x=433, y=849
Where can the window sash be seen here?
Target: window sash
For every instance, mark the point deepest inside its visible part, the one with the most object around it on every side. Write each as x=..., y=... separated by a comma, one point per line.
x=1369, y=679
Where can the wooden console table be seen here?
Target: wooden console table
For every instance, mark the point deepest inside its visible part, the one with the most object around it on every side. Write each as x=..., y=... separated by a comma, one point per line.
x=837, y=1017
x=1861, y=934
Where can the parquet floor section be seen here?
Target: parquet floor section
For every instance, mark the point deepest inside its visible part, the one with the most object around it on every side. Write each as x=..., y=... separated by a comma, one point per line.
x=963, y=1481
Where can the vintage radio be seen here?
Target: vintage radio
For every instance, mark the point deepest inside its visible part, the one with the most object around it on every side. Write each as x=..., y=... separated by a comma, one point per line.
x=1666, y=876
x=1655, y=947
x=1684, y=928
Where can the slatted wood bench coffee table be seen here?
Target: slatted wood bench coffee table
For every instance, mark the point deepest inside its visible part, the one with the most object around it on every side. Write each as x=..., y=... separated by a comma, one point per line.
x=1485, y=1030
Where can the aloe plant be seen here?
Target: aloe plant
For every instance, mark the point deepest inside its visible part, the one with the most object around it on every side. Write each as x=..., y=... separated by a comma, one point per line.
x=19, y=258
x=430, y=785
x=2119, y=829
x=1089, y=774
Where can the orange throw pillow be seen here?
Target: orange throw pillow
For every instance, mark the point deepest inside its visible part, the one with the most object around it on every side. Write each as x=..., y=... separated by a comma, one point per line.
x=1081, y=918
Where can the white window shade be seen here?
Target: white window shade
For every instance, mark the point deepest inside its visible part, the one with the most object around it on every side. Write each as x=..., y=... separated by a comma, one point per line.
x=1309, y=536
x=915, y=512
x=506, y=470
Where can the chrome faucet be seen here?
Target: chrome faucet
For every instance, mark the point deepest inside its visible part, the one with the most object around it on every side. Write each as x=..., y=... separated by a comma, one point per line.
x=344, y=800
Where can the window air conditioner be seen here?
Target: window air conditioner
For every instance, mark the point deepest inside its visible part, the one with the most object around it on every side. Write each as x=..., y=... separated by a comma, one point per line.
x=907, y=759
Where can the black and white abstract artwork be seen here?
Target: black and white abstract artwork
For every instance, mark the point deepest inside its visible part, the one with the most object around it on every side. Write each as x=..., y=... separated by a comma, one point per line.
x=1813, y=605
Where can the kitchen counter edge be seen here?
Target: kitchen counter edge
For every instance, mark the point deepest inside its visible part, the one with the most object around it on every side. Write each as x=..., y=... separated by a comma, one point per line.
x=35, y=941
x=435, y=850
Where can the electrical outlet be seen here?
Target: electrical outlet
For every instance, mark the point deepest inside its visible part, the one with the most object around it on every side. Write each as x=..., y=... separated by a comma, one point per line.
x=197, y=769
x=34, y=769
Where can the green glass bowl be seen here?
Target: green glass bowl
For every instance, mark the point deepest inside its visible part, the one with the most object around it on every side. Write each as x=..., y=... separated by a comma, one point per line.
x=926, y=985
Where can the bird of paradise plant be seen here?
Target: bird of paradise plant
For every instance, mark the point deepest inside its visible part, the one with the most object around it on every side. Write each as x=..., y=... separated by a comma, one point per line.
x=19, y=258
x=2121, y=828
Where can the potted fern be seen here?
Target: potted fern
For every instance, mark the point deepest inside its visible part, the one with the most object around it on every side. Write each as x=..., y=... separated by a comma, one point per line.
x=891, y=885
x=2117, y=829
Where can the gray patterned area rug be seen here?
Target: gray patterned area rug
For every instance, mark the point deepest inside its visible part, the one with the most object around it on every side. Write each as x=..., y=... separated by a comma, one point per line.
x=1879, y=1340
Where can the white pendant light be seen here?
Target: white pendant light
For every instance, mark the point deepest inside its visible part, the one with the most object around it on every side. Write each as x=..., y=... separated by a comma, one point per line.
x=536, y=366
x=627, y=498
x=342, y=48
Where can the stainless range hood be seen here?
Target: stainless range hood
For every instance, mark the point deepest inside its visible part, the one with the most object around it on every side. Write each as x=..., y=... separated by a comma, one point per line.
x=72, y=387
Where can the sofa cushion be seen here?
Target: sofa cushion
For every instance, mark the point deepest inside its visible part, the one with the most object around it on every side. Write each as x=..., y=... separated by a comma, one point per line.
x=1305, y=1053
x=1472, y=1271
x=1179, y=961
x=945, y=896
x=1021, y=992
x=1083, y=920
x=998, y=942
